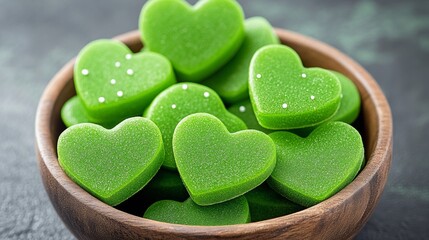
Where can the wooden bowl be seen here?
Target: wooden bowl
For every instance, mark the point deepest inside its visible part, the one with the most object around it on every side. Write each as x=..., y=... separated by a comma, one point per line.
x=339, y=217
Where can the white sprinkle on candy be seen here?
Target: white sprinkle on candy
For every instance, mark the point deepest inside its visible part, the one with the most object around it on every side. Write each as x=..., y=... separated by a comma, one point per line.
x=312, y=97
x=101, y=99
x=206, y=94
x=303, y=75
x=284, y=105
x=242, y=108
x=117, y=64
x=258, y=75
x=130, y=72
x=85, y=72
x=185, y=86
x=113, y=81
x=173, y=106
x=128, y=56
x=120, y=93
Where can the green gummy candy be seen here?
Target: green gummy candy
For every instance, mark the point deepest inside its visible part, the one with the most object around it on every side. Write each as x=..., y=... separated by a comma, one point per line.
x=181, y=100
x=244, y=111
x=216, y=165
x=114, y=164
x=73, y=112
x=197, y=40
x=349, y=107
x=285, y=95
x=350, y=101
x=166, y=185
x=310, y=170
x=232, y=212
x=113, y=83
x=231, y=81
x=264, y=203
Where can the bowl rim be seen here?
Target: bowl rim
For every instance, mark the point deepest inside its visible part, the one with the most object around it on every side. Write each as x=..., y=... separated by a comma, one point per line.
x=46, y=150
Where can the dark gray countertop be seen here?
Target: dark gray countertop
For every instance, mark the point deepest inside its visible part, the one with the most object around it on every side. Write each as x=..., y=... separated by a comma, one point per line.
x=389, y=38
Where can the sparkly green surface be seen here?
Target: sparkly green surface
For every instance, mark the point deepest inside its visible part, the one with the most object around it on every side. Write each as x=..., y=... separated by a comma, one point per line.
x=181, y=100
x=114, y=164
x=231, y=81
x=235, y=211
x=216, y=165
x=285, y=95
x=350, y=101
x=73, y=112
x=244, y=110
x=118, y=83
x=349, y=106
x=310, y=170
x=265, y=203
x=198, y=40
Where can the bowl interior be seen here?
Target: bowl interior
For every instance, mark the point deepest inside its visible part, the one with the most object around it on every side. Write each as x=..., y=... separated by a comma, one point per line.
x=374, y=123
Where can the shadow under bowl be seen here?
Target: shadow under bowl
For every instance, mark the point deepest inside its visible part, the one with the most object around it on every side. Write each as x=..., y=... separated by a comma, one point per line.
x=339, y=217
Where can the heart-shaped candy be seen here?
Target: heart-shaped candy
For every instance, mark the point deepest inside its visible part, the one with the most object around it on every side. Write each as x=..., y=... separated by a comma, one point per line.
x=231, y=81
x=181, y=100
x=114, y=164
x=350, y=100
x=216, y=165
x=197, y=40
x=235, y=211
x=310, y=170
x=165, y=185
x=285, y=95
x=265, y=203
x=73, y=112
x=114, y=83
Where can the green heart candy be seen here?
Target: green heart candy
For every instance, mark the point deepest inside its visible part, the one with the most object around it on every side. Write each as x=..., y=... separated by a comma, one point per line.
x=114, y=164
x=165, y=185
x=181, y=100
x=350, y=100
x=285, y=95
x=216, y=165
x=264, y=203
x=198, y=40
x=73, y=112
x=310, y=170
x=349, y=107
x=244, y=110
x=232, y=212
x=231, y=81
x=114, y=83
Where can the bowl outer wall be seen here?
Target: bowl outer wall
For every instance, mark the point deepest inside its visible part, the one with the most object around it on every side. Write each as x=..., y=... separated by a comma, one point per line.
x=339, y=217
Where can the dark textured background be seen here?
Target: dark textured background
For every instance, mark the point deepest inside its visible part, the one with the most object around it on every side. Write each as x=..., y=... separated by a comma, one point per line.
x=389, y=38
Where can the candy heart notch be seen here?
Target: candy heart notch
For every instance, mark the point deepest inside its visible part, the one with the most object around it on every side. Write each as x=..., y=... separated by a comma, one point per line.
x=285, y=95
x=181, y=100
x=310, y=170
x=197, y=40
x=114, y=164
x=216, y=165
x=114, y=83
x=235, y=211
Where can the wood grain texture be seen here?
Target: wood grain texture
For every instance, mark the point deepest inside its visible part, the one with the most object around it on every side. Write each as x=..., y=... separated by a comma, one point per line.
x=340, y=217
